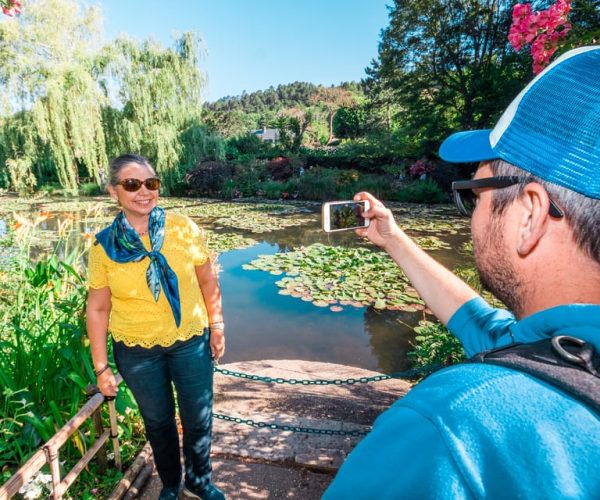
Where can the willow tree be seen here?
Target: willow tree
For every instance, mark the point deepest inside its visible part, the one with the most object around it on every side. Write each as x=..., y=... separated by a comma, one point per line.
x=51, y=105
x=156, y=101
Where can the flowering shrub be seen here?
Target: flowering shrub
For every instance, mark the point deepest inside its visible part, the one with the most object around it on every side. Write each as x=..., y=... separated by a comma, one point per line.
x=10, y=7
x=544, y=30
x=420, y=167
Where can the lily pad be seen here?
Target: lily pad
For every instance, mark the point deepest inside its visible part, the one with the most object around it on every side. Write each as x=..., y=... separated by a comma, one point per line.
x=328, y=275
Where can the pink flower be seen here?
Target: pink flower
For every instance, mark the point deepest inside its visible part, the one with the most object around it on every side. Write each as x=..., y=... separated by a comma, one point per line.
x=11, y=7
x=420, y=167
x=544, y=30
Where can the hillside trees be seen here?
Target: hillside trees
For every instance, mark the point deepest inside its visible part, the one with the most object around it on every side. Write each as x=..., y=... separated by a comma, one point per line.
x=332, y=99
x=445, y=64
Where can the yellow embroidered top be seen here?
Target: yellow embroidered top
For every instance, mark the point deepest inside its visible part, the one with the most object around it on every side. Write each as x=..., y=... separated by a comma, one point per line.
x=135, y=318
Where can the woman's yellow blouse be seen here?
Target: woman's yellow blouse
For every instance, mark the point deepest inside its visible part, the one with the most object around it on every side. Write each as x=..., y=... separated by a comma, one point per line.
x=135, y=318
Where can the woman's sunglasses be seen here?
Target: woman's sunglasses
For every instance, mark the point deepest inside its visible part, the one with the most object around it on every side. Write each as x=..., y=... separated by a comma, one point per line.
x=132, y=185
x=465, y=199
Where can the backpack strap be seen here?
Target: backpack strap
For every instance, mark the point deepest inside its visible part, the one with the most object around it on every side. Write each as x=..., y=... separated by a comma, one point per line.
x=567, y=363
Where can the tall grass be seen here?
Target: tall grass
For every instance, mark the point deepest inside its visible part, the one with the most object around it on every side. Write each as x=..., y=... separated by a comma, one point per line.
x=45, y=364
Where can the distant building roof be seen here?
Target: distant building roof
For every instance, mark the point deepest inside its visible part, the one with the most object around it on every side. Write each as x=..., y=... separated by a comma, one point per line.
x=267, y=134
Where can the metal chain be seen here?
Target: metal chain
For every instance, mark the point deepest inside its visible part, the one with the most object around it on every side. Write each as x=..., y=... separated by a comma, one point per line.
x=292, y=428
x=424, y=370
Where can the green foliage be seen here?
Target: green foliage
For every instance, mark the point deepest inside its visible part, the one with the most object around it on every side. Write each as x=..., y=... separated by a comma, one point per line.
x=435, y=345
x=444, y=65
x=318, y=184
x=291, y=95
x=585, y=24
x=50, y=101
x=68, y=104
x=272, y=189
x=334, y=277
x=350, y=123
x=159, y=94
x=21, y=176
x=208, y=178
x=249, y=175
x=43, y=340
x=45, y=363
x=426, y=191
x=244, y=145
x=91, y=189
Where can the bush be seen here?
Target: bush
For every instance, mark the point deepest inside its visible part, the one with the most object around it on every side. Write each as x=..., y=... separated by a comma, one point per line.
x=249, y=145
x=435, y=345
x=283, y=168
x=318, y=184
x=90, y=189
x=51, y=188
x=272, y=189
x=209, y=177
x=230, y=190
x=378, y=185
x=249, y=175
x=421, y=192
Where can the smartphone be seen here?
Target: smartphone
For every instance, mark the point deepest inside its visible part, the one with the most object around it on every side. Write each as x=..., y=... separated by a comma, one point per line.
x=343, y=215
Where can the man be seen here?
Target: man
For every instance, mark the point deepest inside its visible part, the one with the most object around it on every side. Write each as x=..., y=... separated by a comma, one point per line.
x=480, y=430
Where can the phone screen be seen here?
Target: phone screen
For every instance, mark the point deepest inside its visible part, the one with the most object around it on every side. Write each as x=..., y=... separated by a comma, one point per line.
x=346, y=215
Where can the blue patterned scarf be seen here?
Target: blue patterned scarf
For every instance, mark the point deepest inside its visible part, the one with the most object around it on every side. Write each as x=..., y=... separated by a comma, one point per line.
x=122, y=244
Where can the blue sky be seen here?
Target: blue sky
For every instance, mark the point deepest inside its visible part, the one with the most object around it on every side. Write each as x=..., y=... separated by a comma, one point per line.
x=251, y=45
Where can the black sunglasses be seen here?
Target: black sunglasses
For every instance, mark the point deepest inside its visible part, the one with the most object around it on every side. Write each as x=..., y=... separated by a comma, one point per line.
x=465, y=198
x=133, y=185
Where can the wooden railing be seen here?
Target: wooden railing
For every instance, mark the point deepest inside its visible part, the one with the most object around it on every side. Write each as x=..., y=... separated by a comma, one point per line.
x=49, y=453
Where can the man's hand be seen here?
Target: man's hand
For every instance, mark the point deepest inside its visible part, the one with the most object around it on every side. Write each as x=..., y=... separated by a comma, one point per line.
x=217, y=343
x=382, y=226
x=107, y=383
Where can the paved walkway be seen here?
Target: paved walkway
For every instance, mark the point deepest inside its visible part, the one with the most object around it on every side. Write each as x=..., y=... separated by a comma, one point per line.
x=252, y=463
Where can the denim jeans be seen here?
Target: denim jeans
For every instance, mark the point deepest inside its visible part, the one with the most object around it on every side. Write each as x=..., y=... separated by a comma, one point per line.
x=150, y=374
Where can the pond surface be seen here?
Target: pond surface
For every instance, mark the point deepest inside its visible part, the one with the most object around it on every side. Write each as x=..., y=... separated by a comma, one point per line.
x=262, y=323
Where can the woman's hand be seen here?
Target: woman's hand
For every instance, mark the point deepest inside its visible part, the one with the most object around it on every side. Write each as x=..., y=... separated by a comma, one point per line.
x=217, y=343
x=382, y=226
x=107, y=383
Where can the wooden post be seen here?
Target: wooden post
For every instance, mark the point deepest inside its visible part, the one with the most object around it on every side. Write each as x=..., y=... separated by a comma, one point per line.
x=102, y=458
x=52, y=459
x=114, y=432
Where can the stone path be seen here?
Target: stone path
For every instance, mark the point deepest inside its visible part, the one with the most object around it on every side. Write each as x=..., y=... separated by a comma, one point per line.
x=252, y=463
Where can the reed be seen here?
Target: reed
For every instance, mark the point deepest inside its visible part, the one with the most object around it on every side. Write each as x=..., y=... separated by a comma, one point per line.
x=45, y=365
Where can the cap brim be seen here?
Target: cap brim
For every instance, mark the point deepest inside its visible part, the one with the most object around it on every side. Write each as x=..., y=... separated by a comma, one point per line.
x=465, y=147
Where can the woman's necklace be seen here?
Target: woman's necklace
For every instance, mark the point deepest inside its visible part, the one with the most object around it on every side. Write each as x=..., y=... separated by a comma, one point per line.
x=142, y=233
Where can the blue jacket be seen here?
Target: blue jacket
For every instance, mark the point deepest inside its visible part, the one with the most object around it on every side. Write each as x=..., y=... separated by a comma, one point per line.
x=484, y=431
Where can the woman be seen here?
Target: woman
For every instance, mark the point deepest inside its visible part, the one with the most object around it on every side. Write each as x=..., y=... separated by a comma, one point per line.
x=153, y=287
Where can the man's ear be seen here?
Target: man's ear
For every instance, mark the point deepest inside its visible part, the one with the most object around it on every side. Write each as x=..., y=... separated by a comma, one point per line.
x=534, y=206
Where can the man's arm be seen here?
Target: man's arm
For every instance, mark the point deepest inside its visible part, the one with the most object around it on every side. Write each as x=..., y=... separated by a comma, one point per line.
x=443, y=292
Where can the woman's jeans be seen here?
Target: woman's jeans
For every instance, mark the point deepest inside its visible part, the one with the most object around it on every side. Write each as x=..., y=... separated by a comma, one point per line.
x=150, y=373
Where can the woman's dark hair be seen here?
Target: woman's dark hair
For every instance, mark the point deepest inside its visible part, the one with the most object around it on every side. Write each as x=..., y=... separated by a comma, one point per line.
x=119, y=162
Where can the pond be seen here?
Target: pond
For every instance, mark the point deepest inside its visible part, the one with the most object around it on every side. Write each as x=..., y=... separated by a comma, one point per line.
x=270, y=313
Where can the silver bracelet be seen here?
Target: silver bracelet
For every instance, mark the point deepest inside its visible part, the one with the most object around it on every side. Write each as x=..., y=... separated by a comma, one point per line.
x=217, y=325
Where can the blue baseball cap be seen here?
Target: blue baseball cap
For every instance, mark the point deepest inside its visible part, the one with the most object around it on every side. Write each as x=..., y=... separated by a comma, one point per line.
x=551, y=129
